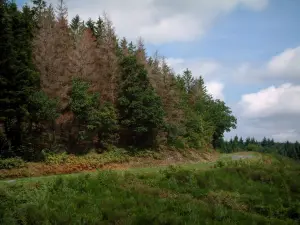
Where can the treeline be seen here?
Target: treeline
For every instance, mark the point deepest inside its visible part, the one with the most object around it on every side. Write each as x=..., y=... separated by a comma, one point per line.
x=266, y=145
x=73, y=86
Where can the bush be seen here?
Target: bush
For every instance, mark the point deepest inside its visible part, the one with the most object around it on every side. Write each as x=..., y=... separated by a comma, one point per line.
x=253, y=148
x=11, y=163
x=56, y=158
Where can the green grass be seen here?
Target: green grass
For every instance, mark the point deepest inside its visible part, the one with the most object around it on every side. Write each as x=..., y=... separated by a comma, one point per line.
x=239, y=192
x=144, y=170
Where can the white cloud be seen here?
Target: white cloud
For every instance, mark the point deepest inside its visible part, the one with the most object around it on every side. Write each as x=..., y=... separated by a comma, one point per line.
x=160, y=21
x=282, y=100
x=283, y=67
x=215, y=89
x=272, y=112
x=286, y=63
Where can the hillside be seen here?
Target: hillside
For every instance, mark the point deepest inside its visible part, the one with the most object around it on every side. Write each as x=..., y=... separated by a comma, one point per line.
x=94, y=130
x=259, y=190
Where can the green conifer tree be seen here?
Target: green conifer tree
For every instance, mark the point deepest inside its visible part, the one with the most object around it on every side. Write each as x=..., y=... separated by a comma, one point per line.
x=140, y=108
x=17, y=79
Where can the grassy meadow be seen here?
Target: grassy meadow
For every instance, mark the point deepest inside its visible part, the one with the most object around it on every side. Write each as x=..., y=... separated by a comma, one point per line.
x=260, y=190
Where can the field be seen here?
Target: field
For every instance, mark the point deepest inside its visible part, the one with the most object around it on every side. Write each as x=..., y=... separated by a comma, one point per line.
x=115, y=159
x=254, y=190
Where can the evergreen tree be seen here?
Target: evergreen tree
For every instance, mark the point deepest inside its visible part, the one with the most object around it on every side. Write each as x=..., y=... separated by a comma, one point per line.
x=91, y=25
x=188, y=80
x=38, y=9
x=77, y=26
x=131, y=48
x=18, y=78
x=140, y=108
x=248, y=141
x=253, y=141
x=264, y=142
x=241, y=143
x=100, y=31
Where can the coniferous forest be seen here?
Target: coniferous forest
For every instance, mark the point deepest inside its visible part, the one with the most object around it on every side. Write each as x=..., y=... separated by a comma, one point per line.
x=74, y=85
x=266, y=145
x=127, y=140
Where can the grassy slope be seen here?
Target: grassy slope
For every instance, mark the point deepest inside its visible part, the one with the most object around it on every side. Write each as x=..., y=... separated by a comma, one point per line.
x=257, y=191
x=68, y=164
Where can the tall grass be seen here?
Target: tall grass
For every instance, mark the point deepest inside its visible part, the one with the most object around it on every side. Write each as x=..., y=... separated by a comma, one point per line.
x=236, y=193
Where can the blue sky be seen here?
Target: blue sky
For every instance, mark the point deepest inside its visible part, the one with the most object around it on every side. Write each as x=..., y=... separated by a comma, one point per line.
x=245, y=35
x=247, y=50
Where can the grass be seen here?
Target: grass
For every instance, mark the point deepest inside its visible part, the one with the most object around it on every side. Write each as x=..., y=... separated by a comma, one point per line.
x=116, y=159
x=240, y=192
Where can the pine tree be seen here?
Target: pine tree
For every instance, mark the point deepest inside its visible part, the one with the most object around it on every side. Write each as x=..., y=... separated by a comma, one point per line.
x=83, y=59
x=141, y=52
x=44, y=52
x=77, y=27
x=18, y=78
x=124, y=47
x=241, y=143
x=91, y=25
x=188, y=80
x=38, y=9
x=248, y=141
x=140, y=108
x=52, y=48
x=100, y=30
x=264, y=142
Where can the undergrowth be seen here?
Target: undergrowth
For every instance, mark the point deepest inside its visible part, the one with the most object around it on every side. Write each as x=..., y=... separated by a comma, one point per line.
x=11, y=163
x=235, y=193
x=63, y=163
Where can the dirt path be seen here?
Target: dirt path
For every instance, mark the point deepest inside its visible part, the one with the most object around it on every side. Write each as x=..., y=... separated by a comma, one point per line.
x=238, y=157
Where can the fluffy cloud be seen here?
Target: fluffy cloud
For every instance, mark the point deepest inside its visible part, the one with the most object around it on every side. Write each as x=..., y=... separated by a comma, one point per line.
x=286, y=64
x=160, y=21
x=272, y=112
x=215, y=89
x=284, y=67
x=272, y=101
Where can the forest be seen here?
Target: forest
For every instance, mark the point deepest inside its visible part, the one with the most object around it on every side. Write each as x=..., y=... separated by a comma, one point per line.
x=266, y=145
x=72, y=86
x=93, y=130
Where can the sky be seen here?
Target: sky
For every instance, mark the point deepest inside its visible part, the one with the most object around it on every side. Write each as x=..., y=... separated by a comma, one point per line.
x=248, y=52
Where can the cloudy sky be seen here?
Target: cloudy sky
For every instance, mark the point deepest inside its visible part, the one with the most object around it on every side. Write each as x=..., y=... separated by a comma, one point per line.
x=247, y=50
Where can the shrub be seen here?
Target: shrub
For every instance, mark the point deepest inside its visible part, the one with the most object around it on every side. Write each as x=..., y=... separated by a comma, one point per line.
x=56, y=158
x=253, y=148
x=11, y=163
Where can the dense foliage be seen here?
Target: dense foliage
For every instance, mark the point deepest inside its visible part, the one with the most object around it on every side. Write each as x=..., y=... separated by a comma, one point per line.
x=238, y=193
x=288, y=149
x=71, y=87
x=140, y=108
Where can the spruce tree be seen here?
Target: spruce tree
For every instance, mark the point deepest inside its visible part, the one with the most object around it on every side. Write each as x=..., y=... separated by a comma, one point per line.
x=91, y=25
x=140, y=108
x=18, y=78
